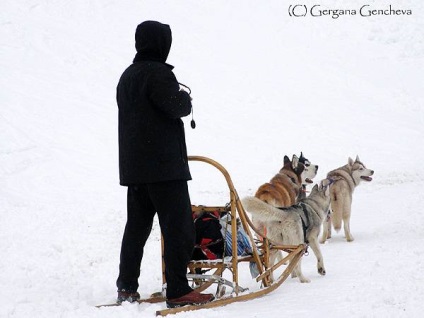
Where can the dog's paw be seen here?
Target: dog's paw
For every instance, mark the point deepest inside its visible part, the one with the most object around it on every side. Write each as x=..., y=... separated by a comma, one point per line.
x=350, y=238
x=321, y=271
x=305, y=280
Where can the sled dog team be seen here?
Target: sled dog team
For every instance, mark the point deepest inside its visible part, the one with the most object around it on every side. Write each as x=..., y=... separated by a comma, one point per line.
x=283, y=212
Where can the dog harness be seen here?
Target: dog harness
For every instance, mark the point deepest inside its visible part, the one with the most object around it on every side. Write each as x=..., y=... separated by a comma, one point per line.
x=305, y=221
x=304, y=218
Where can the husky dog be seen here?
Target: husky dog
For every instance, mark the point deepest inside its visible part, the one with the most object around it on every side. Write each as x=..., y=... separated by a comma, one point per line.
x=345, y=179
x=297, y=224
x=308, y=174
x=284, y=188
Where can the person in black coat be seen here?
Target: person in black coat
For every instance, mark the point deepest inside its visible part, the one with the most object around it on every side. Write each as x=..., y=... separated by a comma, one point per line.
x=153, y=165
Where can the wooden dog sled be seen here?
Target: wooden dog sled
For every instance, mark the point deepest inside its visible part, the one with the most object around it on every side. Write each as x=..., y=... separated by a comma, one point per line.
x=260, y=257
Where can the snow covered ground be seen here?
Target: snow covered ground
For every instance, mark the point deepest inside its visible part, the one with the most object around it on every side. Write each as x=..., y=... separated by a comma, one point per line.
x=264, y=85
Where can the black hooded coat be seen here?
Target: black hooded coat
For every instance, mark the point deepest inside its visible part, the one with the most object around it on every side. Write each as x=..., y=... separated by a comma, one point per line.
x=152, y=144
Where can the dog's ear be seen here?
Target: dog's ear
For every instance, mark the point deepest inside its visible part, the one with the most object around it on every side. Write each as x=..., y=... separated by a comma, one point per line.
x=286, y=160
x=327, y=191
x=350, y=161
x=325, y=185
x=315, y=188
x=295, y=162
x=301, y=158
x=357, y=159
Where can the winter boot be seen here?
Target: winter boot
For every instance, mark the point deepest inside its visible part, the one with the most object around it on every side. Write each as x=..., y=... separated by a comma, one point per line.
x=124, y=295
x=192, y=298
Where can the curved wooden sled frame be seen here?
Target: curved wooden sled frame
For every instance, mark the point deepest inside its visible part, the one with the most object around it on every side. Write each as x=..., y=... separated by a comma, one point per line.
x=260, y=254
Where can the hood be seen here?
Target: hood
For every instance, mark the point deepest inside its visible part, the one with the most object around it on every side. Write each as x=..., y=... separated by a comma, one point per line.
x=152, y=41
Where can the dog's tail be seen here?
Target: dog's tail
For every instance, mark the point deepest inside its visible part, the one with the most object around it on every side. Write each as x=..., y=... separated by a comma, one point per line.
x=261, y=210
x=336, y=217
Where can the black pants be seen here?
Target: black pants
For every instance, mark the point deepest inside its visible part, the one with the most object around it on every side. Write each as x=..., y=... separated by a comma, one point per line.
x=172, y=203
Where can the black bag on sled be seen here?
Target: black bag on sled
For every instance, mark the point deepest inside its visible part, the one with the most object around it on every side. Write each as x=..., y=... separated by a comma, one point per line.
x=209, y=243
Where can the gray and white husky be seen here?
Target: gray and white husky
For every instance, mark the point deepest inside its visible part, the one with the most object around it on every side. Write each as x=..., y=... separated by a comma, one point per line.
x=345, y=179
x=297, y=224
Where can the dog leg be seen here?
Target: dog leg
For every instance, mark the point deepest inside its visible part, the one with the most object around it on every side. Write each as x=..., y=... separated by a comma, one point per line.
x=326, y=230
x=279, y=257
x=298, y=272
x=313, y=243
x=346, y=226
x=329, y=222
x=329, y=227
x=273, y=256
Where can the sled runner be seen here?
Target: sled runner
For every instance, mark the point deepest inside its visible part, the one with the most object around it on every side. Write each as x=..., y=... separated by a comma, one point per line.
x=205, y=273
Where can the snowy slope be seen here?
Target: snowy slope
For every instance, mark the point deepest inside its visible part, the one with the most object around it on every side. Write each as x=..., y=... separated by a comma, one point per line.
x=264, y=85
